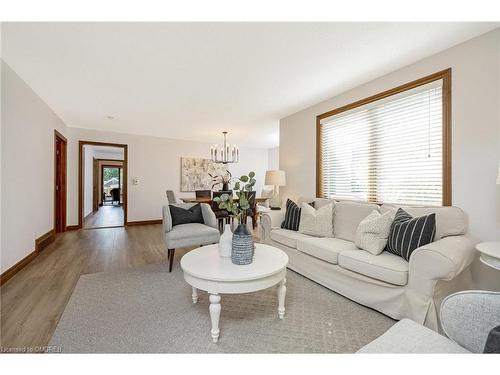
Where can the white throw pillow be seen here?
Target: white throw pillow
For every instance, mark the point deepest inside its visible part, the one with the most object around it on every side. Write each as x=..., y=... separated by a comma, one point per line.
x=373, y=231
x=318, y=222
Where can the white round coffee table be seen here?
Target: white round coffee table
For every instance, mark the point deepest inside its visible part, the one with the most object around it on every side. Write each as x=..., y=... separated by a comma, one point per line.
x=204, y=269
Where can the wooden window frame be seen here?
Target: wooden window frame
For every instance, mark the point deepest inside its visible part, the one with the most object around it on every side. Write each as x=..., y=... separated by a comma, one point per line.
x=445, y=75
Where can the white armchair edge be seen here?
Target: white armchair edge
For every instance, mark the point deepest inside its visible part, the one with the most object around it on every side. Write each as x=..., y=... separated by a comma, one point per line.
x=208, y=215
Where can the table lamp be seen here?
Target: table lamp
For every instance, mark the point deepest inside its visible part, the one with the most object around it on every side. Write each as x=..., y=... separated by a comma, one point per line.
x=276, y=179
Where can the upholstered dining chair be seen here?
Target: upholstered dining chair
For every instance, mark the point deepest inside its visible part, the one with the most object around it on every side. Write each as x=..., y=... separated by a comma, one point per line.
x=191, y=234
x=203, y=194
x=171, y=197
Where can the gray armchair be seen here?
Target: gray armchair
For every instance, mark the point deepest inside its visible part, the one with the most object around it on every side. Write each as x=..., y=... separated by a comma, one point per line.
x=466, y=317
x=189, y=235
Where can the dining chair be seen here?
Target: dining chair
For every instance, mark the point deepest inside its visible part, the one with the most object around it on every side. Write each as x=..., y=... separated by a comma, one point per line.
x=203, y=194
x=252, y=211
x=171, y=197
x=115, y=194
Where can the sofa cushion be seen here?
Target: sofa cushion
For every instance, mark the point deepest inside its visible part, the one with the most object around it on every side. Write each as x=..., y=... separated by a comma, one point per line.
x=286, y=237
x=450, y=221
x=318, y=222
x=191, y=234
x=326, y=249
x=347, y=217
x=373, y=231
x=385, y=267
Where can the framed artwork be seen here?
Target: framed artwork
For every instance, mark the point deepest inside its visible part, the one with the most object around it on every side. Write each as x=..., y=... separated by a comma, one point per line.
x=194, y=173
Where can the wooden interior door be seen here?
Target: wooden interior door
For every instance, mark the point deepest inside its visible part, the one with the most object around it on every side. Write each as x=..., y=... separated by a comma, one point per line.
x=60, y=145
x=96, y=194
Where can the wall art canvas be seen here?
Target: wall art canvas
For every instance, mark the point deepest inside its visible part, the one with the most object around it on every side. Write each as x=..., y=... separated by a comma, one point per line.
x=194, y=173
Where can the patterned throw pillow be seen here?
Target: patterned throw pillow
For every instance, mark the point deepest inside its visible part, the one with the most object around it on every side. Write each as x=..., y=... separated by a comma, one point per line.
x=409, y=233
x=292, y=215
x=373, y=231
x=318, y=222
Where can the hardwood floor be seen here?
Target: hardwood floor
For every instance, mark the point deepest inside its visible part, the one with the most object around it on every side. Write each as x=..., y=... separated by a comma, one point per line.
x=106, y=216
x=33, y=301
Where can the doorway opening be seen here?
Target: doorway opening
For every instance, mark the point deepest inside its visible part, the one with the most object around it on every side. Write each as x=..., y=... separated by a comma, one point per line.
x=60, y=162
x=102, y=185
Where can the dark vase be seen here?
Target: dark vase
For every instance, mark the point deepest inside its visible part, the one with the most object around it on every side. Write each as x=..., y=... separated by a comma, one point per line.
x=242, y=247
x=225, y=186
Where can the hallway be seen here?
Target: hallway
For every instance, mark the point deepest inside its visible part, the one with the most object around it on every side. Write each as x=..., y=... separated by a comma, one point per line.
x=106, y=216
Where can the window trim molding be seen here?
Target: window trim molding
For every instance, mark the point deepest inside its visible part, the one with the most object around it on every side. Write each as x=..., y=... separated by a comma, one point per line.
x=445, y=75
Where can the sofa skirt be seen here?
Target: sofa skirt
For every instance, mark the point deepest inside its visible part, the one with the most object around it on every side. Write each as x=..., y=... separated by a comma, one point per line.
x=397, y=302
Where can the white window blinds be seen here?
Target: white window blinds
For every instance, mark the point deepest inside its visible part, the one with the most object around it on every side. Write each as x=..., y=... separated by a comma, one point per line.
x=387, y=151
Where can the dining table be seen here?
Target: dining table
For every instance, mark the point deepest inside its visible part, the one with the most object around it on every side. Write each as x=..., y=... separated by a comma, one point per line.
x=209, y=200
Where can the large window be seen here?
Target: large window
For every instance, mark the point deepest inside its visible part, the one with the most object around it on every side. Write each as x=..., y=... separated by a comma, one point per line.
x=393, y=147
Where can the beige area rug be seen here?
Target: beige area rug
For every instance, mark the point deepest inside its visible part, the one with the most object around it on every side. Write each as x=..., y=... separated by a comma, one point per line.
x=148, y=310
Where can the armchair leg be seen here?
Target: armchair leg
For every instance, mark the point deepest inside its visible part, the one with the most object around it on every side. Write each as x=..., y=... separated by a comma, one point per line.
x=171, y=253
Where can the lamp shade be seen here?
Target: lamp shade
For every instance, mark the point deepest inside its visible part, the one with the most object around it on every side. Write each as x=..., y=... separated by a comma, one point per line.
x=276, y=178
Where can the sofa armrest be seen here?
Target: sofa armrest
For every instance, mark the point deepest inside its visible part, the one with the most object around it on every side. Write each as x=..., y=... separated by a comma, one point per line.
x=209, y=216
x=440, y=260
x=270, y=220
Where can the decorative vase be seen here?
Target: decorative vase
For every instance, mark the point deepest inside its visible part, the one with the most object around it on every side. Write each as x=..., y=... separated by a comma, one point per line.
x=225, y=186
x=242, y=247
x=226, y=242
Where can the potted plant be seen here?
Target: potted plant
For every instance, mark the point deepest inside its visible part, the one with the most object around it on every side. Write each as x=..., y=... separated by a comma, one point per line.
x=242, y=243
x=224, y=180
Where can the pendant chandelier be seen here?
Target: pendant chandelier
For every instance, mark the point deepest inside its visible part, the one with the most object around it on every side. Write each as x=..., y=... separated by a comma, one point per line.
x=225, y=154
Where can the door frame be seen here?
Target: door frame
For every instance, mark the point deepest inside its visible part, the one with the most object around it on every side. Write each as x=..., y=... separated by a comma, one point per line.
x=120, y=175
x=81, y=171
x=63, y=186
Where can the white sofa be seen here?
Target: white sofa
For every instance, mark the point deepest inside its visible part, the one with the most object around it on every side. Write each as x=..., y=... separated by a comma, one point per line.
x=384, y=282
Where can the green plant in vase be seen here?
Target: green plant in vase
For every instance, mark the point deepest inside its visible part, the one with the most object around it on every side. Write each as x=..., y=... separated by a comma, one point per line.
x=242, y=245
x=239, y=208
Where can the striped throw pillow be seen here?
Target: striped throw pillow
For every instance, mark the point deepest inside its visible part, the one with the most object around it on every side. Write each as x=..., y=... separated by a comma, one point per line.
x=292, y=215
x=409, y=233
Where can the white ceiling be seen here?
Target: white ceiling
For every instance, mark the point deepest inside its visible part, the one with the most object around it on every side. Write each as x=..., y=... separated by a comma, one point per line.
x=194, y=80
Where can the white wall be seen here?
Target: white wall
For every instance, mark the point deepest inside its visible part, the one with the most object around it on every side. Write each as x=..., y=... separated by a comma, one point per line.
x=156, y=162
x=475, y=128
x=475, y=134
x=274, y=158
x=27, y=175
